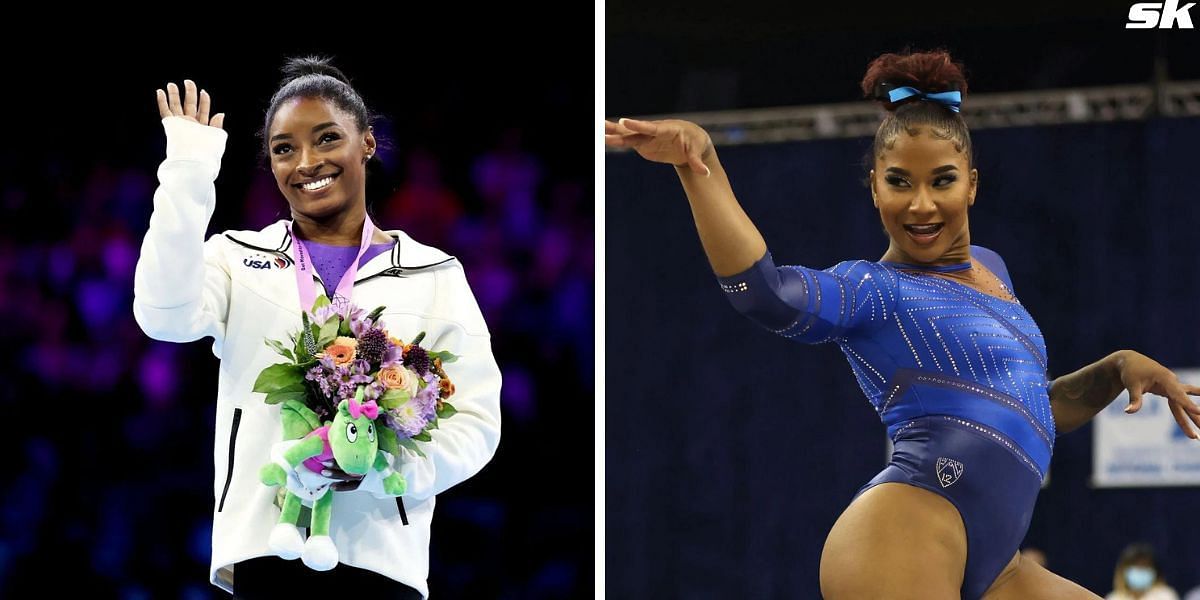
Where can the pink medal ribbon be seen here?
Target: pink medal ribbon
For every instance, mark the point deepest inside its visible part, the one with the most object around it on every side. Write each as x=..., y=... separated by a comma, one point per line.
x=305, y=270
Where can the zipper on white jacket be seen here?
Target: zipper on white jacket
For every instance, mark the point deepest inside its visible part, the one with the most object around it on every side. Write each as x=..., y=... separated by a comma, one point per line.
x=237, y=420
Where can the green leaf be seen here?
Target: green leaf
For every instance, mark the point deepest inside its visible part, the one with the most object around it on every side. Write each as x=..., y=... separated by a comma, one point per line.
x=298, y=350
x=281, y=350
x=298, y=419
x=387, y=439
x=278, y=377
x=285, y=395
x=446, y=411
x=411, y=445
x=322, y=300
x=393, y=399
x=328, y=332
x=374, y=315
x=417, y=340
x=447, y=357
x=433, y=424
x=344, y=328
x=423, y=437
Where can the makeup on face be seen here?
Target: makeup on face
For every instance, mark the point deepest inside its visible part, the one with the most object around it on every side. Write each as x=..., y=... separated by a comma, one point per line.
x=316, y=155
x=922, y=191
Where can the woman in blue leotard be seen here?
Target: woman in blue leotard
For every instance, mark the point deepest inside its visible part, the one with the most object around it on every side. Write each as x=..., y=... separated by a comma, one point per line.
x=939, y=343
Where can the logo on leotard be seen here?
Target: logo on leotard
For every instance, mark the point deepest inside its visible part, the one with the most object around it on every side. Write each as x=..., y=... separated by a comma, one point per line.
x=948, y=471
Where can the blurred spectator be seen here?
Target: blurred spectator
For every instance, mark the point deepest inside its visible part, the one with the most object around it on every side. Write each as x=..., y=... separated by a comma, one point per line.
x=424, y=205
x=144, y=528
x=1138, y=577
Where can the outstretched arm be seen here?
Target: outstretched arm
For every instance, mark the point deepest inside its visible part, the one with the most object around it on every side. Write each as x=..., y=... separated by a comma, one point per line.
x=799, y=303
x=730, y=239
x=1077, y=397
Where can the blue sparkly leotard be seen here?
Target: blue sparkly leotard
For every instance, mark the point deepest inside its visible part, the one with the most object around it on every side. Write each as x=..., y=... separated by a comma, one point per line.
x=957, y=376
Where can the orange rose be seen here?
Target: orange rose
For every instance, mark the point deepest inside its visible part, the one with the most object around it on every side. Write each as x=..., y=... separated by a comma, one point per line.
x=398, y=378
x=446, y=388
x=342, y=350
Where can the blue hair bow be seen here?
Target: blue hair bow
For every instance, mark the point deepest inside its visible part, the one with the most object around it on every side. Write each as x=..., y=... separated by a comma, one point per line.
x=952, y=100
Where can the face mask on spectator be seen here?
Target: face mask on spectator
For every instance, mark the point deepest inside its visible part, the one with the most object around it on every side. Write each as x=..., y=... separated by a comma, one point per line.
x=1139, y=578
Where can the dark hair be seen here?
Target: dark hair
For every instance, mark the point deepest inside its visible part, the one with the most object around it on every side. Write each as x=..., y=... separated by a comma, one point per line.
x=315, y=77
x=931, y=72
x=1135, y=553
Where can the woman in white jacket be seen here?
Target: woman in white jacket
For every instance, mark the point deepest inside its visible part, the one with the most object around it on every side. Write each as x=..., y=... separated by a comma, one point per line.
x=241, y=287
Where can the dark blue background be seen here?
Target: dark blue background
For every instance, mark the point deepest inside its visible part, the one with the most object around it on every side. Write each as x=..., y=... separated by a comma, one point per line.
x=731, y=452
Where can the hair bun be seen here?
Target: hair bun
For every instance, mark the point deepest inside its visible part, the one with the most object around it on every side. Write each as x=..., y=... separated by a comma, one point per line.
x=296, y=68
x=929, y=71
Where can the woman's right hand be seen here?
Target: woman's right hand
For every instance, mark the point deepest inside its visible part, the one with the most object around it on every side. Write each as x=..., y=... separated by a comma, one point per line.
x=193, y=106
x=670, y=141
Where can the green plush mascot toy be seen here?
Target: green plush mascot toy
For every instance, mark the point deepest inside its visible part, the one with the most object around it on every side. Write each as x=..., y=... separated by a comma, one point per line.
x=351, y=441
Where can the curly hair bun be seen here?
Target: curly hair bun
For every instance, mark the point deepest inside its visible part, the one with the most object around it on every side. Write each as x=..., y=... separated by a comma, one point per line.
x=931, y=71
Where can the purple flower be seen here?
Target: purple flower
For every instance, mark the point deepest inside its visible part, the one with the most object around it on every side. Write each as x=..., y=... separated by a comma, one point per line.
x=360, y=372
x=426, y=399
x=323, y=314
x=349, y=312
x=406, y=420
x=393, y=356
x=345, y=311
x=319, y=375
x=360, y=326
x=374, y=390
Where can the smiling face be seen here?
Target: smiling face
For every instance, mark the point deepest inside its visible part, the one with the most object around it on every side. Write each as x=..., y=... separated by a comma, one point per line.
x=318, y=157
x=922, y=187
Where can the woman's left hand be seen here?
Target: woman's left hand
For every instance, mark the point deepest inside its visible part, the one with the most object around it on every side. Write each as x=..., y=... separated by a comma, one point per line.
x=1141, y=374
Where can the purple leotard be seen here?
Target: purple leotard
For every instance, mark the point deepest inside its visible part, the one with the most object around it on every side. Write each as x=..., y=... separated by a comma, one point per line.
x=332, y=261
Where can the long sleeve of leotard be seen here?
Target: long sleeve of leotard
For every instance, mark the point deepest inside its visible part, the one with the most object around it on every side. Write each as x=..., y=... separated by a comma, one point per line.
x=810, y=305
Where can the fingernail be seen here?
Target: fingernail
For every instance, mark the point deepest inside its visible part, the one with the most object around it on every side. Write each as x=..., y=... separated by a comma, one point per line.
x=707, y=171
x=621, y=121
x=1129, y=408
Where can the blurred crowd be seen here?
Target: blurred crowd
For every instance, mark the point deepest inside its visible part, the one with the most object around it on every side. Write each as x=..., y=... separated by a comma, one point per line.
x=113, y=474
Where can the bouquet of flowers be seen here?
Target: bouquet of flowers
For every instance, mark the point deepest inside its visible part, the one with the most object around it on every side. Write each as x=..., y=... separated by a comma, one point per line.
x=339, y=350
x=351, y=396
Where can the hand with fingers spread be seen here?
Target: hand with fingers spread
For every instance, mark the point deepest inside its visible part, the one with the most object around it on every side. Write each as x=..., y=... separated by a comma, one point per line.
x=672, y=141
x=1141, y=374
x=192, y=106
